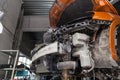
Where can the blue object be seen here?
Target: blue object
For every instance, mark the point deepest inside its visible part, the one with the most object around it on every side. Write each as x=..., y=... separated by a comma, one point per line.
x=22, y=73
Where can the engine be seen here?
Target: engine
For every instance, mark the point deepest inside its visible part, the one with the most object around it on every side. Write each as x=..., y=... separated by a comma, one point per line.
x=86, y=48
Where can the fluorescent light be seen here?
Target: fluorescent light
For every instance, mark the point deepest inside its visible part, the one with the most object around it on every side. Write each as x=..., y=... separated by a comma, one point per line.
x=1, y=28
x=1, y=15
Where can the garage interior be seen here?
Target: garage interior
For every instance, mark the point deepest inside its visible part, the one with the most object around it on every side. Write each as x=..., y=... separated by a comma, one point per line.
x=24, y=24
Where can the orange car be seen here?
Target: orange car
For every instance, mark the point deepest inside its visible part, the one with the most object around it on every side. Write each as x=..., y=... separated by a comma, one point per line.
x=64, y=11
x=83, y=42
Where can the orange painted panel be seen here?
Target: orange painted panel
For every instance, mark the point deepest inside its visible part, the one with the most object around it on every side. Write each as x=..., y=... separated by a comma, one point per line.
x=57, y=10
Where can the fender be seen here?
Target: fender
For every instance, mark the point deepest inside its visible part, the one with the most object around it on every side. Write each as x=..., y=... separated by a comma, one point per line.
x=103, y=10
x=115, y=22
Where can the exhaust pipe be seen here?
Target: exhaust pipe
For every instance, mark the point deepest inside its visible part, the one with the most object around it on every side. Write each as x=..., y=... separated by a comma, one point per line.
x=66, y=65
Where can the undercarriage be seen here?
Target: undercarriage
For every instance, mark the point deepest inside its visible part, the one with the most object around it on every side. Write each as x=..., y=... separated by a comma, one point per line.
x=82, y=43
x=79, y=50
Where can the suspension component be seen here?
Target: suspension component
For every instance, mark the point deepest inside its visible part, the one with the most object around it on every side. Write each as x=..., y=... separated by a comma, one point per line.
x=82, y=51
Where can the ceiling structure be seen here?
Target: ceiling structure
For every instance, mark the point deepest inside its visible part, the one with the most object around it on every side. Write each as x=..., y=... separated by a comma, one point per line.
x=41, y=7
x=37, y=7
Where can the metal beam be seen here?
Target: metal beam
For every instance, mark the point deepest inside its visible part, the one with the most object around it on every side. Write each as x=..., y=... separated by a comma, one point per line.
x=37, y=7
x=39, y=0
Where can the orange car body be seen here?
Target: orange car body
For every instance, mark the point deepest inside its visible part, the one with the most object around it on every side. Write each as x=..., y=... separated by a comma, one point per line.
x=102, y=10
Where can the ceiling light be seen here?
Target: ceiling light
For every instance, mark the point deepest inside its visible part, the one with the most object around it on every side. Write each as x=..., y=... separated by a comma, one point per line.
x=1, y=28
x=1, y=15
